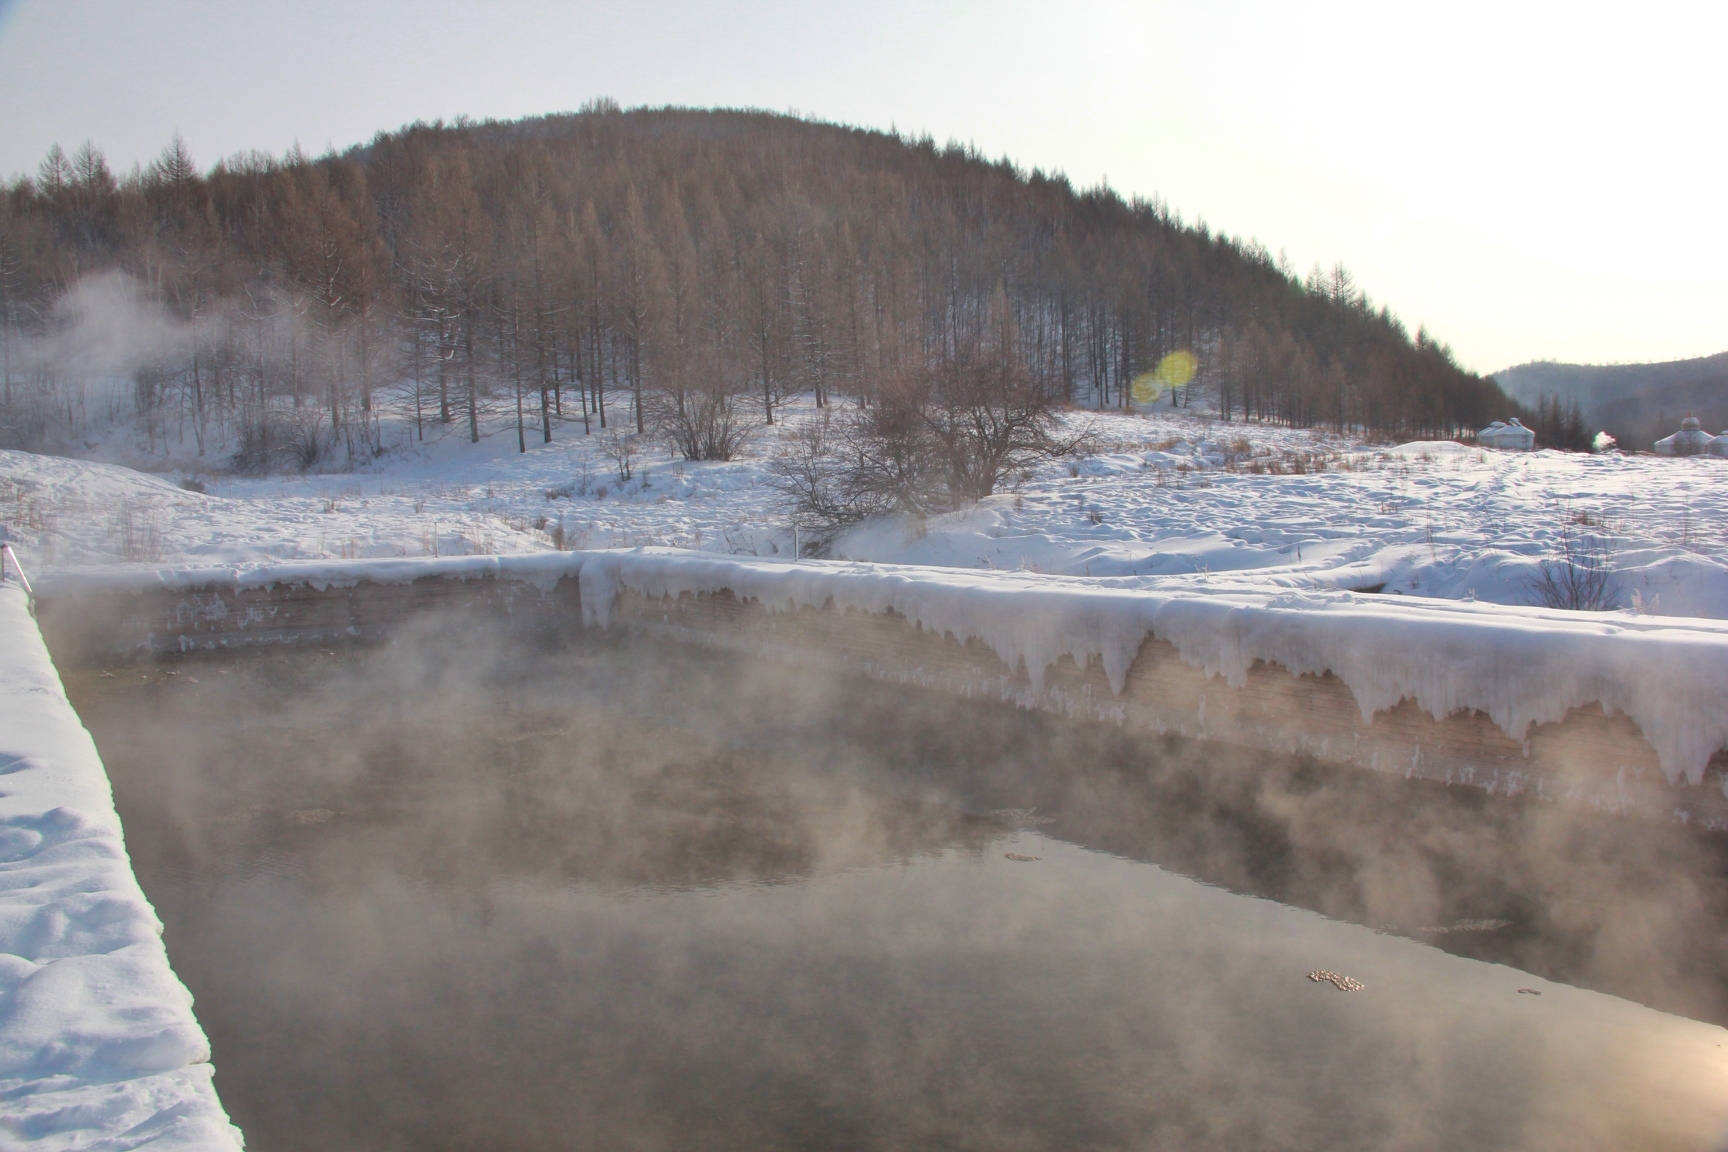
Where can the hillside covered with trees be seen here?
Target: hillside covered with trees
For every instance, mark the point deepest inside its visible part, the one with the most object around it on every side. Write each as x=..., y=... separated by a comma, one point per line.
x=1637, y=404
x=675, y=270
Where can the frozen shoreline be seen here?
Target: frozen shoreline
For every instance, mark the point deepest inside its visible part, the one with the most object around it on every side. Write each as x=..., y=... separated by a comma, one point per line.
x=98, y=1044
x=1520, y=666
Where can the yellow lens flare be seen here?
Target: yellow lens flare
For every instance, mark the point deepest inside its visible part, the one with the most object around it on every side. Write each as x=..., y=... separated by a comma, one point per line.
x=1178, y=368
x=1173, y=371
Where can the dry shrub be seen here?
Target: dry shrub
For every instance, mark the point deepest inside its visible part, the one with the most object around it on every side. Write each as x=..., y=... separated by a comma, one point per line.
x=934, y=441
x=1580, y=576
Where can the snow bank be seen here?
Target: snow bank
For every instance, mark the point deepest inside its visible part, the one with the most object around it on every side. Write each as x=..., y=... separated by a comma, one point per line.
x=1520, y=666
x=98, y=1045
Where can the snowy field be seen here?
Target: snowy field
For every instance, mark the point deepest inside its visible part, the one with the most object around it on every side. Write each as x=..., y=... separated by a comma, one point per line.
x=1178, y=501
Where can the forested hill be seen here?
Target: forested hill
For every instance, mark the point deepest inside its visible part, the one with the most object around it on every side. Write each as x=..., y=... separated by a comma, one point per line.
x=1636, y=403
x=608, y=261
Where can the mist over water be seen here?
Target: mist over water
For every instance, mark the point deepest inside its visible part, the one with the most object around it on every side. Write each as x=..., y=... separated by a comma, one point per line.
x=445, y=894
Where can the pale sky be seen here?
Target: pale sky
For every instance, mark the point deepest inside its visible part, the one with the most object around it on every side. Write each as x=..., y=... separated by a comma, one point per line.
x=1530, y=183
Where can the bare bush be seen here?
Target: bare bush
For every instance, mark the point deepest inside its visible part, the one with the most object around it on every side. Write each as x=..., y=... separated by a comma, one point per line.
x=1580, y=577
x=139, y=529
x=705, y=424
x=621, y=448
x=281, y=438
x=933, y=442
x=26, y=506
x=986, y=418
x=835, y=474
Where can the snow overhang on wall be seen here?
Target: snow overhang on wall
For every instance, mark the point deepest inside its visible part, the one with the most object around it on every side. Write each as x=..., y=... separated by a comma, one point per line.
x=1520, y=666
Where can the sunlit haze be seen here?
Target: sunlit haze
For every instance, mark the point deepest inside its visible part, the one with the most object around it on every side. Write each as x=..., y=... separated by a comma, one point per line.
x=1541, y=184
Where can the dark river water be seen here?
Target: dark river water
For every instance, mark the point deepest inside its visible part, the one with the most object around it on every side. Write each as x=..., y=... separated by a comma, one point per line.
x=436, y=896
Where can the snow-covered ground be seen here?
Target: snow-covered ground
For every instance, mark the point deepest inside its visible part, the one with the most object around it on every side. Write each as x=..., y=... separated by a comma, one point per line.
x=98, y=1046
x=1190, y=501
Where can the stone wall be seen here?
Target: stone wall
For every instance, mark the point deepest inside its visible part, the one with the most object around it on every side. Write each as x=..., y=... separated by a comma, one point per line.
x=1591, y=758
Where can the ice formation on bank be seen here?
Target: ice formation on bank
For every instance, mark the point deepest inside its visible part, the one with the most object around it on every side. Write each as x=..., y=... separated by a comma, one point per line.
x=98, y=1044
x=1520, y=666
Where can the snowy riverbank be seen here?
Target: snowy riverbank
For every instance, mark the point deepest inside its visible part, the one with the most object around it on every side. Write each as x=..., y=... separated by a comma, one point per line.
x=98, y=1044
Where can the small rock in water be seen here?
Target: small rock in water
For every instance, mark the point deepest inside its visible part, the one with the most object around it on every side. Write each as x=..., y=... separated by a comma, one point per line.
x=1017, y=856
x=1529, y=992
x=1342, y=983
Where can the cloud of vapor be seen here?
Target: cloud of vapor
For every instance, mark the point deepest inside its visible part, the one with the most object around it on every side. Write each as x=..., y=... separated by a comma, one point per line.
x=109, y=324
x=459, y=891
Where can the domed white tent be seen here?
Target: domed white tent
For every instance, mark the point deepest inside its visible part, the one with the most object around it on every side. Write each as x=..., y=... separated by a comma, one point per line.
x=1718, y=446
x=1510, y=436
x=1689, y=441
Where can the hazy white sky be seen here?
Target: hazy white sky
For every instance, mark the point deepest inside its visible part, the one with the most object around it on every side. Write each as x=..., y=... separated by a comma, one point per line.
x=1547, y=182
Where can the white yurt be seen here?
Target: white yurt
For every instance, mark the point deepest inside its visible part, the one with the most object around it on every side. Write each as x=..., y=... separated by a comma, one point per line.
x=1718, y=446
x=1689, y=441
x=1509, y=436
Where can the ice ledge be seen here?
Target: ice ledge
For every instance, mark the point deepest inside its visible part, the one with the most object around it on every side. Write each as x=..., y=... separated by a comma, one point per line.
x=98, y=1044
x=543, y=569
x=1520, y=666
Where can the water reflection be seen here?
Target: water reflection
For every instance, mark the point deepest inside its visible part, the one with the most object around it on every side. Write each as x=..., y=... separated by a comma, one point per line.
x=626, y=898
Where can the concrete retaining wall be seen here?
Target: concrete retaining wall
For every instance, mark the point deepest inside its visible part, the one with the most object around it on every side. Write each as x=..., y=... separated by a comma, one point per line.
x=1588, y=757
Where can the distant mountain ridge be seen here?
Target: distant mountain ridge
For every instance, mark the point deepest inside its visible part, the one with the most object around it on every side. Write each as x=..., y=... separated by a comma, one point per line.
x=1634, y=403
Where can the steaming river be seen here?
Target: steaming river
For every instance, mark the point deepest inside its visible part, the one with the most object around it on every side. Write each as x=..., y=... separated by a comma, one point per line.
x=607, y=902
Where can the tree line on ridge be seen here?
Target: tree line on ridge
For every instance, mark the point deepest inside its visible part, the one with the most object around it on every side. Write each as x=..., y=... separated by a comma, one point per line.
x=670, y=270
